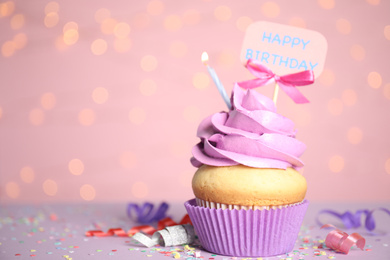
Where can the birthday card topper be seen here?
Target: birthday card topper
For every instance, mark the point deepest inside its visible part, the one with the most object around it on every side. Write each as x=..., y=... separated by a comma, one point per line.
x=284, y=49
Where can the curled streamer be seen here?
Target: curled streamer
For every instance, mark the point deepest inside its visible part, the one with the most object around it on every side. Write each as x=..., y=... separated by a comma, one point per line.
x=144, y=214
x=342, y=242
x=354, y=220
x=169, y=236
x=147, y=229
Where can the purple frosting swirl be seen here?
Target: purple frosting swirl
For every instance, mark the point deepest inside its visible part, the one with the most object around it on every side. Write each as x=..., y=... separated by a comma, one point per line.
x=252, y=134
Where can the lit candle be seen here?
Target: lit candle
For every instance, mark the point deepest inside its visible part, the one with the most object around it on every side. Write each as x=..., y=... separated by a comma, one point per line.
x=216, y=80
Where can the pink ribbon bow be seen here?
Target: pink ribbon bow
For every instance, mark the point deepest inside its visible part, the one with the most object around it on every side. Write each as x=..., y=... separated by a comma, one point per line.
x=287, y=83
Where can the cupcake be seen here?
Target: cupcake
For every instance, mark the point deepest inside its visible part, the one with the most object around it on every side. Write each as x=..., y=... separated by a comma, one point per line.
x=249, y=196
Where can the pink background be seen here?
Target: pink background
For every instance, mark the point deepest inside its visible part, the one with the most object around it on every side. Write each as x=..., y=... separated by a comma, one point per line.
x=106, y=108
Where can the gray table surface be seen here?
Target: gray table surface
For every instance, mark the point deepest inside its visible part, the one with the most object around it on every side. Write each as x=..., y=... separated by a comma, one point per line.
x=58, y=232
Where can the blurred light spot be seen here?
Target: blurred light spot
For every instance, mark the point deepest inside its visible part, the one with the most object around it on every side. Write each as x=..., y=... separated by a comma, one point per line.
x=12, y=189
x=102, y=14
x=121, y=30
x=387, y=166
x=60, y=44
x=76, y=167
x=122, y=45
x=36, y=116
x=270, y=9
x=172, y=23
x=201, y=80
x=223, y=13
x=27, y=174
x=148, y=87
x=50, y=187
x=141, y=21
x=374, y=79
x=20, y=41
x=191, y=17
x=297, y=21
x=191, y=114
x=226, y=58
x=87, y=192
x=355, y=135
x=386, y=32
x=327, y=77
x=139, y=189
x=343, y=26
x=349, y=97
x=108, y=26
x=70, y=26
x=48, y=101
x=336, y=163
x=100, y=95
x=99, y=47
x=71, y=36
x=137, y=115
x=326, y=4
x=52, y=7
x=386, y=91
x=1, y=112
x=373, y=2
x=178, y=49
x=243, y=22
x=8, y=48
x=87, y=117
x=128, y=160
x=17, y=21
x=148, y=63
x=155, y=7
x=7, y=8
x=335, y=106
x=357, y=52
x=51, y=19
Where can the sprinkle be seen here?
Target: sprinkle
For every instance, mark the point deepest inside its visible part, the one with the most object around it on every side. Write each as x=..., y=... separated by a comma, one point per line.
x=33, y=250
x=368, y=249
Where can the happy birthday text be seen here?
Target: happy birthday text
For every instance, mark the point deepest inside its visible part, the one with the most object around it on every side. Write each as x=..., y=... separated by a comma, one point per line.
x=276, y=59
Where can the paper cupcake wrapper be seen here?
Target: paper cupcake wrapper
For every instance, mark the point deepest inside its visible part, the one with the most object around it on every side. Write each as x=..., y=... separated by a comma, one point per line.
x=247, y=233
x=216, y=205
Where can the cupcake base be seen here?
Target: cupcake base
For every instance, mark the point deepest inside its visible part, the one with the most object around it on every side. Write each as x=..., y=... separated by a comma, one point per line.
x=247, y=233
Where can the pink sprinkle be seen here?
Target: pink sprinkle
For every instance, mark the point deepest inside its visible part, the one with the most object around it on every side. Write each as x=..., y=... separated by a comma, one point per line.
x=17, y=254
x=368, y=249
x=113, y=250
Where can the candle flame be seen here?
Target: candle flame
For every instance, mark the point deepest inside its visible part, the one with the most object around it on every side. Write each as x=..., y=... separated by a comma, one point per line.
x=205, y=58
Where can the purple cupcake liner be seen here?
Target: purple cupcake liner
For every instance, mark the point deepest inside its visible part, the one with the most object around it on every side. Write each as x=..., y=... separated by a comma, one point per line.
x=247, y=233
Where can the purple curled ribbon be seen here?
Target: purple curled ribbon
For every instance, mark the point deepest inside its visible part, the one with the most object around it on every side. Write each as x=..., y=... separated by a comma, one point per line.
x=144, y=214
x=353, y=220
